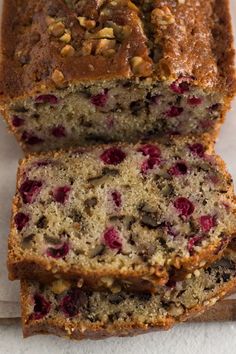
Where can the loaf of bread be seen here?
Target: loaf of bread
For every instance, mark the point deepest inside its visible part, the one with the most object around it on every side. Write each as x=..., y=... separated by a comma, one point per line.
x=66, y=310
x=121, y=214
x=78, y=72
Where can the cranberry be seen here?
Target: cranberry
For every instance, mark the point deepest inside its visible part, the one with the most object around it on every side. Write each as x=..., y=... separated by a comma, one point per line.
x=197, y=149
x=59, y=251
x=75, y=300
x=149, y=164
x=194, y=101
x=180, y=86
x=179, y=169
x=61, y=194
x=113, y=156
x=41, y=307
x=207, y=222
x=193, y=242
x=112, y=239
x=110, y=122
x=100, y=100
x=116, y=197
x=31, y=139
x=21, y=220
x=51, y=99
x=207, y=123
x=29, y=190
x=184, y=206
x=174, y=111
x=17, y=121
x=59, y=131
x=150, y=150
x=170, y=229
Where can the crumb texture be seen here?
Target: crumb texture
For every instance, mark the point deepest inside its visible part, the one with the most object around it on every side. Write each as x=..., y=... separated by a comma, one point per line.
x=122, y=211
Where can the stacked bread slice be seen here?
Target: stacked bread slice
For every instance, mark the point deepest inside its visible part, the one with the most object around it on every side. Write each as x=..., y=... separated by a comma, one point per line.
x=114, y=236
x=129, y=227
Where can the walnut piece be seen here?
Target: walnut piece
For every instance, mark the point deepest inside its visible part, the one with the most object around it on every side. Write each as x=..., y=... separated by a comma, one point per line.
x=105, y=32
x=104, y=45
x=66, y=38
x=68, y=51
x=58, y=78
x=162, y=16
x=141, y=67
x=59, y=286
x=57, y=29
x=86, y=23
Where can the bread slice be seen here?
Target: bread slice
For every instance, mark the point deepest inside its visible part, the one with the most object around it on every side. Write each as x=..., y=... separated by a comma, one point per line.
x=65, y=310
x=78, y=72
x=121, y=214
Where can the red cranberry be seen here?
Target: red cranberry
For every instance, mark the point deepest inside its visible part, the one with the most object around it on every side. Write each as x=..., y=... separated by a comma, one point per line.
x=181, y=85
x=61, y=194
x=207, y=222
x=51, y=99
x=112, y=239
x=59, y=131
x=170, y=229
x=41, y=307
x=150, y=150
x=29, y=190
x=206, y=123
x=193, y=242
x=174, y=111
x=110, y=122
x=74, y=301
x=100, y=100
x=194, y=101
x=116, y=197
x=113, y=156
x=21, y=220
x=197, y=149
x=149, y=164
x=17, y=121
x=179, y=169
x=184, y=206
x=31, y=139
x=59, y=251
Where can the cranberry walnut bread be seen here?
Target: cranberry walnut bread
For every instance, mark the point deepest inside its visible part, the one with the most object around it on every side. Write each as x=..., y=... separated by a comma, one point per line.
x=76, y=72
x=64, y=309
x=121, y=215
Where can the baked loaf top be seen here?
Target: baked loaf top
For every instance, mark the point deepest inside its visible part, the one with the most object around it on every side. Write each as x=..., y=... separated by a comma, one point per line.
x=57, y=42
x=64, y=309
x=122, y=211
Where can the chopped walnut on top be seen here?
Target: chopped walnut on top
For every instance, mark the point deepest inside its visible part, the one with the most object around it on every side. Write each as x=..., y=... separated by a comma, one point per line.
x=162, y=17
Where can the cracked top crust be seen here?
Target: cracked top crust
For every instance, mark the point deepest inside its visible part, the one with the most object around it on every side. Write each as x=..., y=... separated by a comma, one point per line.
x=65, y=42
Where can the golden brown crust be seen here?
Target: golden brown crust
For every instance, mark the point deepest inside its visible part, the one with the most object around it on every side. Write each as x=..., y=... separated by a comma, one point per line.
x=144, y=278
x=194, y=38
x=72, y=330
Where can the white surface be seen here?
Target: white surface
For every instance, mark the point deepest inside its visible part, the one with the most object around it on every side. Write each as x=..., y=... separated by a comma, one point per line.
x=189, y=338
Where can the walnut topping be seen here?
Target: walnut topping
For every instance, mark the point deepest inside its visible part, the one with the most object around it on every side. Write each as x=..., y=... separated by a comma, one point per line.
x=50, y=20
x=87, y=47
x=57, y=29
x=86, y=23
x=162, y=16
x=106, y=32
x=104, y=45
x=58, y=78
x=141, y=67
x=68, y=51
x=66, y=38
